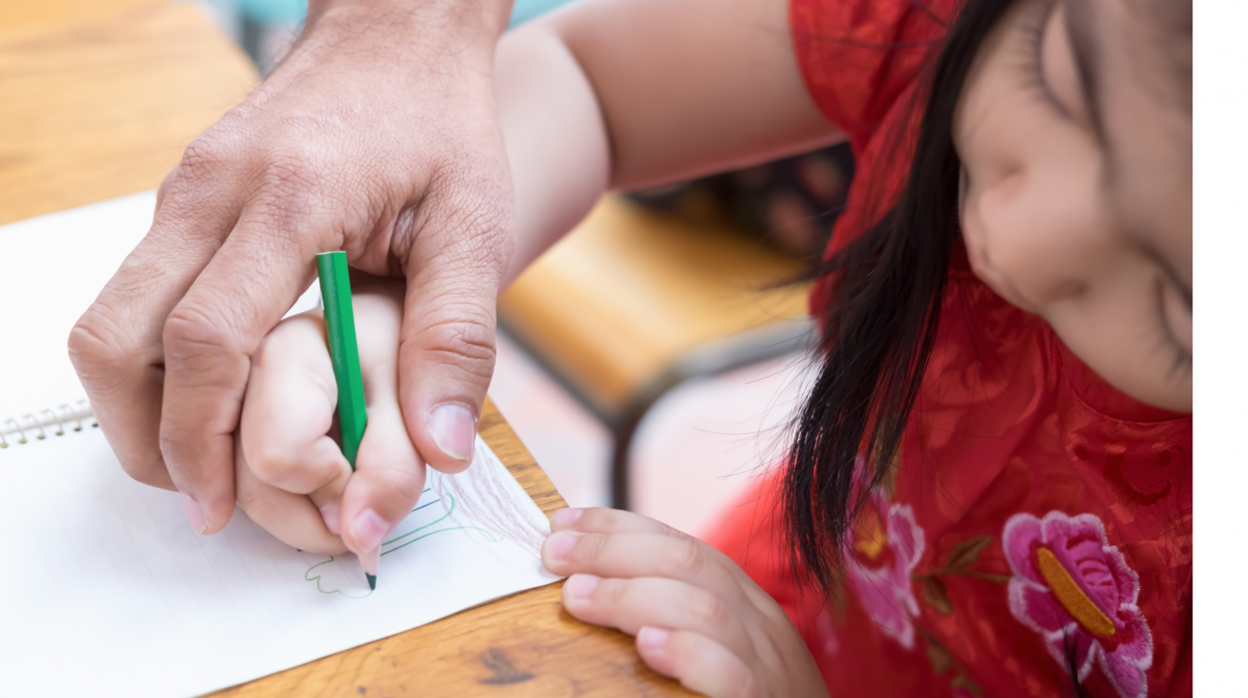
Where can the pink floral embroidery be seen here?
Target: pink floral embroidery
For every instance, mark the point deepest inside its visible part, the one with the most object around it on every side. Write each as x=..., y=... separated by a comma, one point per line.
x=887, y=545
x=1071, y=586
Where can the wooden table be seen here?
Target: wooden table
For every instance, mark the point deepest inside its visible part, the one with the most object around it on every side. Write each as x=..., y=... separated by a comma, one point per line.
x=100, y=97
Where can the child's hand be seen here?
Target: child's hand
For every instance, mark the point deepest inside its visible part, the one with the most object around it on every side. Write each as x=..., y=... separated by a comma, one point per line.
x=696, y=615
x=292, y=478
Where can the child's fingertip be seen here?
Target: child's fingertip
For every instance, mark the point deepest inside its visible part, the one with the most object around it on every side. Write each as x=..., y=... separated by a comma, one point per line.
x=651, y=638
x=566, y=518
x=581, y=586
x=367, y=532
x=331, y=513
x=558, y=545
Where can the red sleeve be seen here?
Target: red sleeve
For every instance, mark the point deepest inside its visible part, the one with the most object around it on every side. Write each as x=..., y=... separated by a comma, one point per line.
x=859, y=56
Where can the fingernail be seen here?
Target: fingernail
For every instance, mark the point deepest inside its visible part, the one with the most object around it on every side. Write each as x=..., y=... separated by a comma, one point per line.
x=651, y=637
x=368, y=529
x=329, y=512
x=580, y=586
x=561, y=543
x=453, y=429
x=566, y=517
x=195, y=514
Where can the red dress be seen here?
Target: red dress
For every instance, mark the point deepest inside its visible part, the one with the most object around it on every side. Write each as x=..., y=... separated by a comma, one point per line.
x=1036, y=513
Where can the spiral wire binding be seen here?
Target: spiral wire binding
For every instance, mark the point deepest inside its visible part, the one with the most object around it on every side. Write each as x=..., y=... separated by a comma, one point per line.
x=37, y=425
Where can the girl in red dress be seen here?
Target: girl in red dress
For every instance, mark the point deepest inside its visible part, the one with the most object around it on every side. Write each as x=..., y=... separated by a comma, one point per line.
x=989, y=489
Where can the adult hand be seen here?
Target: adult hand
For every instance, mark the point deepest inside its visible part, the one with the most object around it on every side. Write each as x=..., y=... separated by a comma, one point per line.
x=377, y=135
x=696, y=615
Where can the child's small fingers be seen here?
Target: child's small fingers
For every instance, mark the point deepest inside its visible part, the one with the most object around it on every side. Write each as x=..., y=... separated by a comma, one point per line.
x=700, y=663
x=389, y=473
x=289, y=407
x=604, y=520
x=328, y=500
x=389, y=477
x=614, y=521
x=633, y=555
x=630, y=604
x=292, y=518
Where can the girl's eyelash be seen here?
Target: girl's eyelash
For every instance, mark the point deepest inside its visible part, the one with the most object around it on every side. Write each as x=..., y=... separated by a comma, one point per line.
x=1032, y=27
x=1181, y=357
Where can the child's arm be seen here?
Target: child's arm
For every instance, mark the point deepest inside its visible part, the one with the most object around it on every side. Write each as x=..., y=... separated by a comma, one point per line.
x=636, y=93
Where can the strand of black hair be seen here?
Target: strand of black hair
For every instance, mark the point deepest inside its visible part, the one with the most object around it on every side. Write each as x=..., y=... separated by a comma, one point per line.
x=886, y=292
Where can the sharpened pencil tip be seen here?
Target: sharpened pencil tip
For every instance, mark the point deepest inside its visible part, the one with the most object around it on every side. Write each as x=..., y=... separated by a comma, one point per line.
x=372, y=581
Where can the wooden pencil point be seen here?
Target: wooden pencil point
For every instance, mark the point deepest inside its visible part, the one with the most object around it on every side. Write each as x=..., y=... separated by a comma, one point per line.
x=372, y=581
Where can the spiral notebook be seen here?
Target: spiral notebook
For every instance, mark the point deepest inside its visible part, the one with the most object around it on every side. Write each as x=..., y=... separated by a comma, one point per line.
x=105, y=590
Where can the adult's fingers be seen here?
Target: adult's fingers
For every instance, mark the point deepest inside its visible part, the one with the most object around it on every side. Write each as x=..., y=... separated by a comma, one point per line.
x=701, y=664
x=630, y=604
x=116, y=346
x=253, y=279
x=292, y=518
x=460, y=251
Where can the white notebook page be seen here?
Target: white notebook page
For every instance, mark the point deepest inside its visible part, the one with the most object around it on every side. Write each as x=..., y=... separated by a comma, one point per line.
x=51, y=269
x=105, y=589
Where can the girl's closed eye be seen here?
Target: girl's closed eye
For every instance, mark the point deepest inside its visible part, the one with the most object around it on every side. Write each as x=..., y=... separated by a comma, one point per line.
x=1033, y=28
x=1046, y=61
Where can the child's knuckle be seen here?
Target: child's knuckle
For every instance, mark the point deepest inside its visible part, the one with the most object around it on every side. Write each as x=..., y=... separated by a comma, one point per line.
x=685, y=556
x=707, y=610
x=613, y=593
x=274, y=466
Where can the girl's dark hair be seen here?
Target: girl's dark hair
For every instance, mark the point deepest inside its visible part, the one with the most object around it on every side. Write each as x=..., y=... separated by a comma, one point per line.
x=886, y=290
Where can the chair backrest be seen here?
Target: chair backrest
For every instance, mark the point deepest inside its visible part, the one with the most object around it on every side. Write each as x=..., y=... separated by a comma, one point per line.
x=631, y=292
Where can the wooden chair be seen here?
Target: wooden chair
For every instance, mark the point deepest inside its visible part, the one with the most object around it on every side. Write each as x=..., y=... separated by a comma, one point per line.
x=634, y=302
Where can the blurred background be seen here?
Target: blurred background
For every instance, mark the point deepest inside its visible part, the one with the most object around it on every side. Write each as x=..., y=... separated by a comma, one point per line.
x=680, y=433
x=265, y=28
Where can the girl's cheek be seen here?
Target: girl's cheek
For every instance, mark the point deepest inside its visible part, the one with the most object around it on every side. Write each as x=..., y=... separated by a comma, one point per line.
x=981, y=210
x=973, y=230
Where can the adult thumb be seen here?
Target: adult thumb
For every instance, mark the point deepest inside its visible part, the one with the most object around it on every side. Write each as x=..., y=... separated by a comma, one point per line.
x=447, y=353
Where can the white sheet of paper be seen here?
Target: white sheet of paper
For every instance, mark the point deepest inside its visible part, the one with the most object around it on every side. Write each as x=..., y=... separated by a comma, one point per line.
x=105, y=590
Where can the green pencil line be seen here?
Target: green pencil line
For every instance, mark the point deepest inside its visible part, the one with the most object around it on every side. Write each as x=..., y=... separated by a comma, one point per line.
x=440, y=519
x=493, y=538
x=444, y=530
x=317, y=579
x=417, y=530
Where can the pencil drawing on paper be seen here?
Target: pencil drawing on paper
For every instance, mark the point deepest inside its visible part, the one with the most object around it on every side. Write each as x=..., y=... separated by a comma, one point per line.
x=477, y=500
x=441, y=524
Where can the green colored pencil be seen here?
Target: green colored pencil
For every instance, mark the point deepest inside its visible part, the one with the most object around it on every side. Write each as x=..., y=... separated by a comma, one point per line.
x=344, y=353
